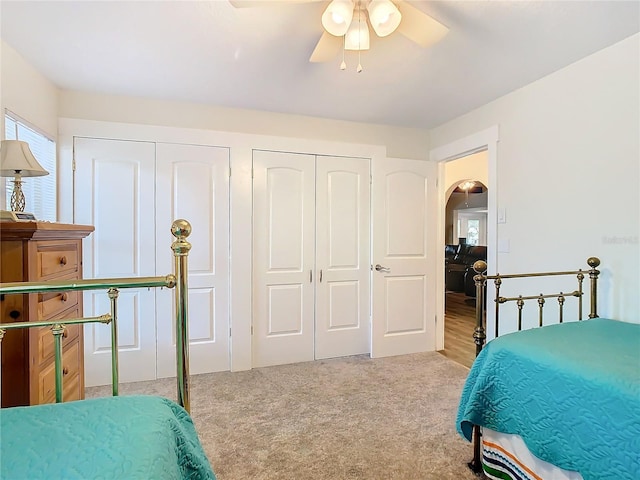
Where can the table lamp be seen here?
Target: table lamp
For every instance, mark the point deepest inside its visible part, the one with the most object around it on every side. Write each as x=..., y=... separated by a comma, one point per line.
x=16, y=160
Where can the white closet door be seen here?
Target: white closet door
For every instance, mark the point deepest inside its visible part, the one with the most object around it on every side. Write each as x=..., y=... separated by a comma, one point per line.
x=283, y=258
x=403, y=216
x=192, y=182
x=114, y=191
x=342, y=257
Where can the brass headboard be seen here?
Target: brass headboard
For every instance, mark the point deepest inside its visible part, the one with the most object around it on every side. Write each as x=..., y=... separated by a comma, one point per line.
x=480, y=279
x=180, y=229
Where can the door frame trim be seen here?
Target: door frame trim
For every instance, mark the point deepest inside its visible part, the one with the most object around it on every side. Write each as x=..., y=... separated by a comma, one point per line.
x=483, y=140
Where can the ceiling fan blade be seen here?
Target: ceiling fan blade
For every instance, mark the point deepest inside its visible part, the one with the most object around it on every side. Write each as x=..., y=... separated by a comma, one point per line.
x=326, y=49
x=420, y=27
x=265, y=3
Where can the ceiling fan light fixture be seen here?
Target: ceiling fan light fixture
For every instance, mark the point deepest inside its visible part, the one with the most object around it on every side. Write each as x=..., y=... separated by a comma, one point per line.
x=384, y=17
x=337, y=17
x=357, y=37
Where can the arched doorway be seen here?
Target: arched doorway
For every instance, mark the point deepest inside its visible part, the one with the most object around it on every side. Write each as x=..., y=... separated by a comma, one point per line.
x=465, y=233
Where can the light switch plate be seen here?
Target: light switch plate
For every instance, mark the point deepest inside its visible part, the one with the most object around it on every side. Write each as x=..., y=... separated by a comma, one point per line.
x=502, y=215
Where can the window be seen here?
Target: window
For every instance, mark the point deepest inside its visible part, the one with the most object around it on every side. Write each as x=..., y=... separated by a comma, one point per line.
x=473, y=232
x=471, y=225
x=40, y=192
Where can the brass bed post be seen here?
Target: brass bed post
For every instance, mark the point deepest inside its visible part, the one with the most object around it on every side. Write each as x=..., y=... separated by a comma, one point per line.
x=540, y=309
x=594, y=262
x=113, y=298
x=181, y=229
x=479, y=335
x=2, y=332
x=580, y=280
x=497, y=282
x=57, y=331
x=520, y=304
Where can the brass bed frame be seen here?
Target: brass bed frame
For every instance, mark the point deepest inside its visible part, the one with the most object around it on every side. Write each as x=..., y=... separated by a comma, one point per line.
x=479, y=334
x=180, y=229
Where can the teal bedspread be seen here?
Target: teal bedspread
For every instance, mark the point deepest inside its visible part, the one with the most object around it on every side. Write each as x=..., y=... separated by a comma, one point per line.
x=571, y=391
x=131, y=437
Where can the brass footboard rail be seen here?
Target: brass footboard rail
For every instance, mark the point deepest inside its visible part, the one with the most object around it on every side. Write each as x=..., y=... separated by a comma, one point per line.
x=180, y=229
x=479, y=334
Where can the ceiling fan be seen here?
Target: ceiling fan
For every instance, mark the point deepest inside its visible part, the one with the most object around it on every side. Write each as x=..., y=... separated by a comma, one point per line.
x=347, y=24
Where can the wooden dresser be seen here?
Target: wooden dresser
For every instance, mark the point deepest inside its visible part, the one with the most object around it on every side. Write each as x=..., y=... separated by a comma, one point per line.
x=38, y=252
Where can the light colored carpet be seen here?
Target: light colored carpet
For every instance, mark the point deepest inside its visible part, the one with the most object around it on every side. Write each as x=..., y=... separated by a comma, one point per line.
x=345, y=418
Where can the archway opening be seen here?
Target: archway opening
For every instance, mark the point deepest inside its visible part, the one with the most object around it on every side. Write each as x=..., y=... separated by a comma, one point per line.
x=465, y=238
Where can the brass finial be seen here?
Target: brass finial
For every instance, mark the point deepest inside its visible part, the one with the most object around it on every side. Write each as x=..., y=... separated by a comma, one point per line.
x=480, y=266
x=181, y=229
x=593, y=262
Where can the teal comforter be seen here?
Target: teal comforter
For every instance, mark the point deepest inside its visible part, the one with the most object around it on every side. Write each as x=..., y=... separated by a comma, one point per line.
x=571, y=391
x=131, y=437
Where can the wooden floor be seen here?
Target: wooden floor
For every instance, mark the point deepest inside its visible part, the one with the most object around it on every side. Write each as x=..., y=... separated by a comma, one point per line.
x=459, y=323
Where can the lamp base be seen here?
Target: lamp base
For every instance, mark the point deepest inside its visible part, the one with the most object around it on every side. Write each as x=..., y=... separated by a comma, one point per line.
x=18, y=202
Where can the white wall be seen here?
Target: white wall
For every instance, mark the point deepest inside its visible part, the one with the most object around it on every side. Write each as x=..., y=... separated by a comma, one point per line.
x=28, y=94
x=568, y=169
x=400, y=142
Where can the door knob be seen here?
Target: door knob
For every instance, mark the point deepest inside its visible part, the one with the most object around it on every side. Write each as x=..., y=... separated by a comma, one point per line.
x=380, y=268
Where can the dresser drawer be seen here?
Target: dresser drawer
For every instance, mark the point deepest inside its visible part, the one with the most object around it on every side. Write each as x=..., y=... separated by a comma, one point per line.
x=52, y=304
x=70, y=375
x=57, y=259
x=46, y=347
x=70, y=391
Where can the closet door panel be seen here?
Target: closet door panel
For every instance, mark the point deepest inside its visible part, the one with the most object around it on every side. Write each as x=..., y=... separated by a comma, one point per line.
x=114, y=191
x=342, y=257
x=193, y=183
x=283, y=258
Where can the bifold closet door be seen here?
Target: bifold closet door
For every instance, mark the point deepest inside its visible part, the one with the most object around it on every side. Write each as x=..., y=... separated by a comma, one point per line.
x=342, y=257
x=283, y=258
x=192, y=182
x=114, y=187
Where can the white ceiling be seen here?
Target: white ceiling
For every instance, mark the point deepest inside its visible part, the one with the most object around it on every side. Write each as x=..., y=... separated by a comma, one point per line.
x=257, y=58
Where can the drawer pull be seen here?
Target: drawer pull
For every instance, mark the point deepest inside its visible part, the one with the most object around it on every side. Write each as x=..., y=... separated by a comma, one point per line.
x=14, y=314
x=65, y=371
x=63, y=260
x=64, y=297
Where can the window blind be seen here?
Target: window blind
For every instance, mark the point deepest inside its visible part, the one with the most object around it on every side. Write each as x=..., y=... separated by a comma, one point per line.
x=40, y=192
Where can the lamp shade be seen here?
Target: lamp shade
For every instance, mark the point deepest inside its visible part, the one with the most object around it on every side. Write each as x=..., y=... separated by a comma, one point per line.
x=357, y=37
x=16, y=159
x=384, y=17
x=337, y=17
